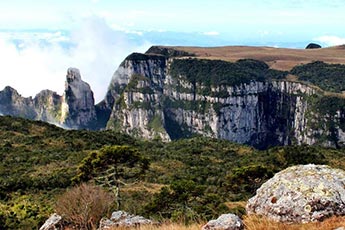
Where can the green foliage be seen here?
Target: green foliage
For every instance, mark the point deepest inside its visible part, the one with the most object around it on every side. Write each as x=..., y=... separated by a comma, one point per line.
x=144, y=57
x=185, y=200
x=247, y=179
x=199, y=174
x=127, y=161
x=329, y=77
x=216, y=72
x=168, y=52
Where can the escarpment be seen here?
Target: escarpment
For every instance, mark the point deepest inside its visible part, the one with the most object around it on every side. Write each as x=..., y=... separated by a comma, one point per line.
x=169, y=93
x=159, y=96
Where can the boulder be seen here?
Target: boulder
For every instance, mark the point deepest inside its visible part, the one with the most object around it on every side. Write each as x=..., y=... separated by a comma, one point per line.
x=54, y=222
x=123, y=219
x=225, y=222
x=301, y=194
x=313, y=46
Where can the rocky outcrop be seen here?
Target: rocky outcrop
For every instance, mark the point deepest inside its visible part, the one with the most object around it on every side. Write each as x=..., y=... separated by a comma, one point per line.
x=75, y=109
x=12, y=103
x=301, y=194
x=54, y=222
x=79, y=100
x=123, y=219
x=225, y=222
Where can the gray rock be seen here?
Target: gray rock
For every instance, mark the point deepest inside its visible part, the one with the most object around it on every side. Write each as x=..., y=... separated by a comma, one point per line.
x=79, y=102
x=225, y=222
x=54, y=222
x=301, y=194
x=123, y=219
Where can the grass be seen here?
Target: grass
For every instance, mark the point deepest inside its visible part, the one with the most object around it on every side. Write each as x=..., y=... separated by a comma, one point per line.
x=259, y=223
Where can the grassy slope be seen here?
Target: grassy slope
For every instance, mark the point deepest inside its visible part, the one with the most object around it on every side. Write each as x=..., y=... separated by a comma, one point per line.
x=38, y=161
x=276, y=58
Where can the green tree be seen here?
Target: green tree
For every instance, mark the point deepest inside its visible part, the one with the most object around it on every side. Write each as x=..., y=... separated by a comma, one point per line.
x=111, y=166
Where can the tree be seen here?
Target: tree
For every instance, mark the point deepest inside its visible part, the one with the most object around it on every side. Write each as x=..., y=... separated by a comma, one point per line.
x=111, y=166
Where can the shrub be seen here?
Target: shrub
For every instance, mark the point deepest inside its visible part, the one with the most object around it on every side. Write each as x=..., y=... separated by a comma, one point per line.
x=83, y=206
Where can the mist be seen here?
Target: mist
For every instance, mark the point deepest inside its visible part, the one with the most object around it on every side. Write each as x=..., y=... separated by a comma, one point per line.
x=33, y=61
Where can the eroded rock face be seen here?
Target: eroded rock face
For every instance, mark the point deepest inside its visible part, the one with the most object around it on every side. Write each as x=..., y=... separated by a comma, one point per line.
x=79, y=100
x=301, y=194
x=123, y=219
x=225, y=222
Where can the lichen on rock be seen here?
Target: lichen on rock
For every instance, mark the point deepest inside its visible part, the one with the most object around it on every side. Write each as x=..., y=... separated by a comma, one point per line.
x=301, y=194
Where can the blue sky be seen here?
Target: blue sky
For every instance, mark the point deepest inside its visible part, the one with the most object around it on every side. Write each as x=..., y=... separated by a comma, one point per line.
x=45, y=37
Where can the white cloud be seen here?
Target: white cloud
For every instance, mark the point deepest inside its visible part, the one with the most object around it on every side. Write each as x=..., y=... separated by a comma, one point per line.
x=95, y=48
x=330, y=40
x=211, y=33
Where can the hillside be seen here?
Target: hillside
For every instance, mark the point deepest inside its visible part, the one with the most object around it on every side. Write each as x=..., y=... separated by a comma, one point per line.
x=277, y=58
x=39, y=161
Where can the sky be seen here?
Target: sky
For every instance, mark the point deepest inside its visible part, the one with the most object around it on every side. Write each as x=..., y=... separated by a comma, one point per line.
x=40, y=39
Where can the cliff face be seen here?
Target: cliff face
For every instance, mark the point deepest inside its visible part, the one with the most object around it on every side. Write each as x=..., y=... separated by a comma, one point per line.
x=75, y=109
x=152, y=98
x=168, y=94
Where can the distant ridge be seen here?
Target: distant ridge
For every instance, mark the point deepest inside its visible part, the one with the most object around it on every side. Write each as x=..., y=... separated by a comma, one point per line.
x=276, y=58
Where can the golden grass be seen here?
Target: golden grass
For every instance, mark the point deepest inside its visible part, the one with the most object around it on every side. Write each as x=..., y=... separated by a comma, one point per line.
x=276, y=58
x=255, y=223
x=258, y=223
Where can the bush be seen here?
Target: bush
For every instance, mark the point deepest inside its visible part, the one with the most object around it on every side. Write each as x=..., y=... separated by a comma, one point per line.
x=83, y=206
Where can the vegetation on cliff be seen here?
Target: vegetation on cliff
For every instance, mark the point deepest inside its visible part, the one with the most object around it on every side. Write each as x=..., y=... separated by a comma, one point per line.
x=329, y=77
x=216, y=72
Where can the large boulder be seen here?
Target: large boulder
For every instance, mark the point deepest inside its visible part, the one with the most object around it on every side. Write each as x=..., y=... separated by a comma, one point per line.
x=301, y=194
x=54, y=222
x=225, y=222
x=123, y=219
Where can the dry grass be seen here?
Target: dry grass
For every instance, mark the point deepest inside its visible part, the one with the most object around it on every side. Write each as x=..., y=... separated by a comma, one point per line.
x=276, y=58
x=255, y=223
x=258, y=223
x=142, y=186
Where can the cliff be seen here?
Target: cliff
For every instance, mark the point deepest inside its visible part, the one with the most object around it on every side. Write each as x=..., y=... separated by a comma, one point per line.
x=155, y=95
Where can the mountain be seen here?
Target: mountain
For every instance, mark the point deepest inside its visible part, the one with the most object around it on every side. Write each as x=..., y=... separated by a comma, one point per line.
x=260, y=96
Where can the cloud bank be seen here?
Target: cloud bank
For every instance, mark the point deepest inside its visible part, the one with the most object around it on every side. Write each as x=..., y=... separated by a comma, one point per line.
x=33, y=61
x=331, y=40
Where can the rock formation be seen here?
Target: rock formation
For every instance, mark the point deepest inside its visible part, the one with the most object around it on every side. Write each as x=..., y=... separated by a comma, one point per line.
x=225, y=222
x=301, y=194
x=123, y=219
x=150, y=97
x=168, y=94
x=79, y=100
x=75, y=109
